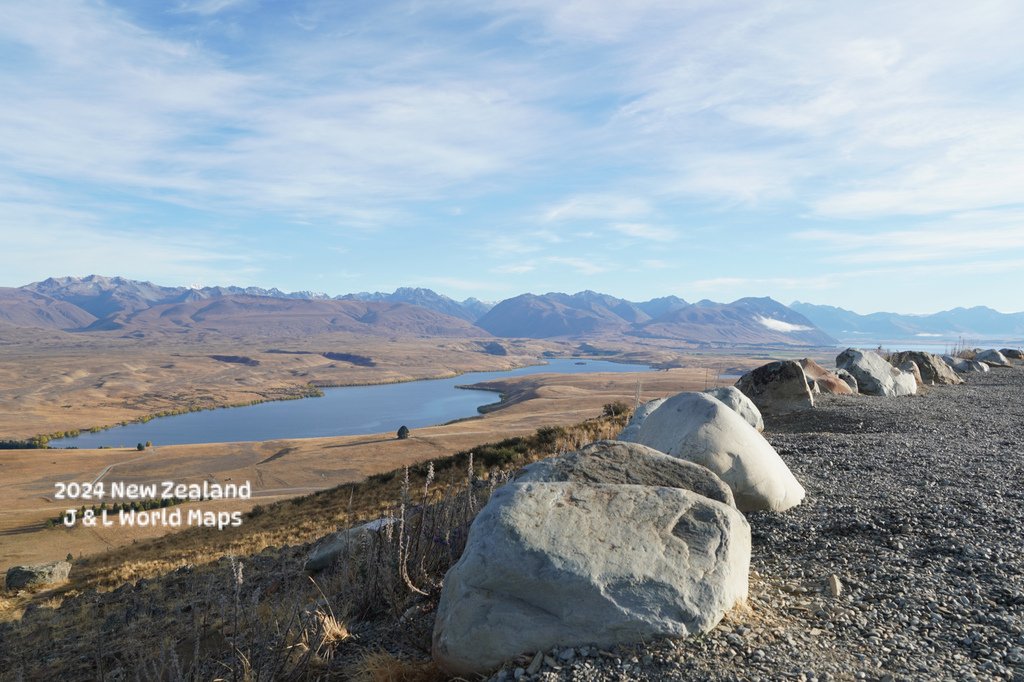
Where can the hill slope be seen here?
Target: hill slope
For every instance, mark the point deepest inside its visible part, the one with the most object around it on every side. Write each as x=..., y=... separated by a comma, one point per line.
x=20, y=308
x=745, y=321
x=261, y=314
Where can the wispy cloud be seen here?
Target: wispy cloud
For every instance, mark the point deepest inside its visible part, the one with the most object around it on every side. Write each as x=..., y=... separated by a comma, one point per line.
x=597, y=207
x=645, y=231
x=578, y=138
x=515, y=268
x=580, y=265
x=208, y=7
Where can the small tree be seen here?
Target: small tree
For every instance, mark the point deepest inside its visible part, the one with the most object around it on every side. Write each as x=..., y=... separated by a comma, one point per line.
x=140, y=447
x=403, y=432
x=149, y=443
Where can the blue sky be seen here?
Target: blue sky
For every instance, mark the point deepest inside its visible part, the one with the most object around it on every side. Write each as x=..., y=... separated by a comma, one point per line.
x=868, y=155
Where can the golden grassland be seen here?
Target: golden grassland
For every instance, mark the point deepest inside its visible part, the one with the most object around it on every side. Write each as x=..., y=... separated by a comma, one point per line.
x=287, y=468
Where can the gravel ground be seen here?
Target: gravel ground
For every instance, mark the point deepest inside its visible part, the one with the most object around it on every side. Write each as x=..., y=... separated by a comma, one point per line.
x=916, y=505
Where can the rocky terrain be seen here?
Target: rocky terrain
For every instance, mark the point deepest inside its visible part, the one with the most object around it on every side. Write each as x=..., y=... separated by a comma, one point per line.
x=914, y=504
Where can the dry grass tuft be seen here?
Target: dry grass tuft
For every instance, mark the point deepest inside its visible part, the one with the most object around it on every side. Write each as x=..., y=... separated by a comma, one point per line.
x=381, y=666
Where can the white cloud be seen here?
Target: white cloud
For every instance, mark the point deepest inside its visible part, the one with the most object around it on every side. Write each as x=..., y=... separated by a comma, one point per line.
x=102, y=101
x=645, y=231
x=515, y=268
x=780, y=326
x=968, y=234
x=597, y=207
x=208, y=7
x=583, y=266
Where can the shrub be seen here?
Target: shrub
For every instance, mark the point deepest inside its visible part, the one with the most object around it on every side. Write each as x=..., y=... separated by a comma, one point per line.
x=403, y=432
x=615, y=409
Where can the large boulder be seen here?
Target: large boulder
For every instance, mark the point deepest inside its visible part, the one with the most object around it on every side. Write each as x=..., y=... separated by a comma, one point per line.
x=934, y=369
x=777, y=388
x=344, y=543
x=569, y=564
x=639, y=415
x=737, y=401
x=874, y=375
x=822, y=380
x=699, y=428
x=1012, y=353
x=911, y=368
x=609, y=461
x=36, y=575
x=992, y=358
x=963, y=365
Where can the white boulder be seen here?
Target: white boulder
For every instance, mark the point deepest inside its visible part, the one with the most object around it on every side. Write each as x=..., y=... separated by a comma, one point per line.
x=701, y=429
x=570, y=564
x=964, y=366
x=932, y=368
x=874, y=375
x=611, y=461
x=992, y=358
x=736, y=400
x=639, y=415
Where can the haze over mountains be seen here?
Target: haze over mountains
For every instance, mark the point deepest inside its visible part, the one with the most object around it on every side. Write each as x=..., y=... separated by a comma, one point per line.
x=978, y=322
x=96, y=303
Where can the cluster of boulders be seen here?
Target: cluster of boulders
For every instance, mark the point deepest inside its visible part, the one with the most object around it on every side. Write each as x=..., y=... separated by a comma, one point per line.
x=619, y=542
x=787, y=386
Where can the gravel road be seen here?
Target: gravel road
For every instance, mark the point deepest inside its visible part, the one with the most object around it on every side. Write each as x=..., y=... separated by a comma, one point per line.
x=916, y=505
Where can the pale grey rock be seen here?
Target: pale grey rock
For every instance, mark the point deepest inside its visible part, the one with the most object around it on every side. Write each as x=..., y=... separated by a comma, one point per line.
x=639, y=415
x=37, y=575
x=343, y=543
x=992, y=358
x=699, y=428
x=911, y=368
x=616, y=462
x=963, y=365
x=874, y=375
x=850, y=380
x=777, y=388
x=609, y=564
x=736, y=400
x=933, y=368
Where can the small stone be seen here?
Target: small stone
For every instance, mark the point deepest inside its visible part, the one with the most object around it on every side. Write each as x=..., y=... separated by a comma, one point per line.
x=519, y=673
x=835, y=587
x=567, y=654
x=535, y=663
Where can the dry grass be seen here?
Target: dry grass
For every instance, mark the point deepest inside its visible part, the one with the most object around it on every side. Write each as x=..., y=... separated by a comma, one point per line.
x=200, y=608
x=381, y=666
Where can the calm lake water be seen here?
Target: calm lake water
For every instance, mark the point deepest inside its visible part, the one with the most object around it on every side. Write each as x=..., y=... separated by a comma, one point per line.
x=346, y=411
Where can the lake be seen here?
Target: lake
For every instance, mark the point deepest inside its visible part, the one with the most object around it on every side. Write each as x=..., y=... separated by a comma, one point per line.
x=344, y=411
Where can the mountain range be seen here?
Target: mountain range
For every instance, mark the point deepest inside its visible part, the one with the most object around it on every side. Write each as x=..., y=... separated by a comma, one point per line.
x=113, y=304
x=978, y=322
